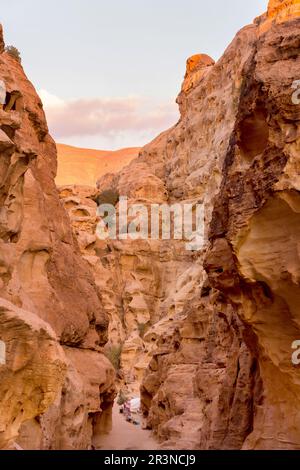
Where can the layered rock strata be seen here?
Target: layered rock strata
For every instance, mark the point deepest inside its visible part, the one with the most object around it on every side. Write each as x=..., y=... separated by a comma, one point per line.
x=219, y=323
x=56, y=385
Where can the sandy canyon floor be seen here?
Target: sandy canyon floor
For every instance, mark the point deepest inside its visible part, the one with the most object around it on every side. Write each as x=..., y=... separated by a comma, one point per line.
x=127, y=436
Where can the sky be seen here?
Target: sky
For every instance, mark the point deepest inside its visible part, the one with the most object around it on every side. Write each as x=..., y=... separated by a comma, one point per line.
x=108, y=72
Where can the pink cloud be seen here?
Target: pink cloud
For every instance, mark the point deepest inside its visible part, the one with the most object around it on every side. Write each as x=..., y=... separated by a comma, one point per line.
x=108, y=118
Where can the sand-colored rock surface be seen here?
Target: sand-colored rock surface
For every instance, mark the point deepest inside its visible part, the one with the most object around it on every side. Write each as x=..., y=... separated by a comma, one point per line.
x=205, y=335
x=34, y=370
x=217, y=325
x=126, y=436
x=80, y=203
x=247, y=394
x=84, y=166
x=255, y=230
x=281, y=10
x=55, y=381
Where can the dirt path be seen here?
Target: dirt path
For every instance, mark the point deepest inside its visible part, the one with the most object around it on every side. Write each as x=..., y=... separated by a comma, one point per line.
x=127, y=436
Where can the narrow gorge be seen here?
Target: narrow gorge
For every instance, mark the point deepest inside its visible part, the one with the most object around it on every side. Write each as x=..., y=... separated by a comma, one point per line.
x=204, y=337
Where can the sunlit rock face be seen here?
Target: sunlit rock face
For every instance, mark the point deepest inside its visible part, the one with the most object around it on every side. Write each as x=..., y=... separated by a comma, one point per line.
x=51, y=317
x=207, y=334
x=220, y=322
x=255, y=227
x=282, y=10
x=195, y=68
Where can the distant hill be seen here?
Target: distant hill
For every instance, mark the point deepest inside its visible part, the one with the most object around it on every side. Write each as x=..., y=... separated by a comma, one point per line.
x=84, y=166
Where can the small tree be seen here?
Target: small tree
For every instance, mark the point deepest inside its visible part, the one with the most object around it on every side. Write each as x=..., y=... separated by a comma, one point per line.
x=13, y=52
x=108, y=197
x=142, y=327
x=122, y=398
x=113, y=353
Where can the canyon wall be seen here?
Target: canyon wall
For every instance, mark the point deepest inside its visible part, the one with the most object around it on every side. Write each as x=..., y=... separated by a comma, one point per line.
x=205, y=335
x=242, y=390
x=79, y=166
x=216, y=326
x=56, y=385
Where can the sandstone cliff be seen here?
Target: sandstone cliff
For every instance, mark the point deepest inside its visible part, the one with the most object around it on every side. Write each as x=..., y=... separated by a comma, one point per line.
x=78, y=166
x=217, y=325
x=56, y=386
x=208, y=333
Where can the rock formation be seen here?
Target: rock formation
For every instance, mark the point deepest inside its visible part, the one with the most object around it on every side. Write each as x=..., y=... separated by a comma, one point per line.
x=208, y=334
x=254, y=233
x=218, y=324
x=235, y=343
x=77, y=166
x=56, y=386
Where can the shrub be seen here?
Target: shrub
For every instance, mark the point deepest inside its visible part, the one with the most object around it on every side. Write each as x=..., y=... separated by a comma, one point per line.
x=113, y=353
x=142, y=329
x=108, y=197
x=122, y=398
x=13, y=52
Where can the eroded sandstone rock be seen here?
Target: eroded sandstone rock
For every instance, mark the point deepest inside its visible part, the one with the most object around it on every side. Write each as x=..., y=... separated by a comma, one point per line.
x=213, y=329
x=43, y=273
x=32, y=372
x=221, y=375
x=259, y=219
